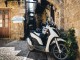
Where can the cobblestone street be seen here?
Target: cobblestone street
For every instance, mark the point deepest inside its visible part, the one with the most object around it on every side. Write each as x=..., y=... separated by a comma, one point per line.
x=17, y=50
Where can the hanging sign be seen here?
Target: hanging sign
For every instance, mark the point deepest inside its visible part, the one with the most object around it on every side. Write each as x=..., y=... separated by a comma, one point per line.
x=18, y=19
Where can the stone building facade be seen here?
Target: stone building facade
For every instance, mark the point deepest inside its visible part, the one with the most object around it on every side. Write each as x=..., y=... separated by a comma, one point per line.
x=13, y=30
x=72, y=17
x=67, y=15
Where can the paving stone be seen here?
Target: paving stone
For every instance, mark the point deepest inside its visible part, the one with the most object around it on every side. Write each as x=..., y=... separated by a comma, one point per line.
x=37, y=55
x=20, y=52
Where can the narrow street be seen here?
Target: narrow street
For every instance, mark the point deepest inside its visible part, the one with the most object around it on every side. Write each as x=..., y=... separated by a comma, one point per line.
x=47, y=21
x=18, y=50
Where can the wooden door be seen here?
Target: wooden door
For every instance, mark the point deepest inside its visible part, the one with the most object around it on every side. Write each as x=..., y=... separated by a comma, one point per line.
x=4, y=23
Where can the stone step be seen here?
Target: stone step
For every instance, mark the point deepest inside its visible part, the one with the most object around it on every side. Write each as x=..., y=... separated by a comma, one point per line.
x=7, y=48
x=9, y=52
x=11, y=57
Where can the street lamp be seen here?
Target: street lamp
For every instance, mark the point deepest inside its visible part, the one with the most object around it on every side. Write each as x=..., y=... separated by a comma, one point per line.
x=31, y=6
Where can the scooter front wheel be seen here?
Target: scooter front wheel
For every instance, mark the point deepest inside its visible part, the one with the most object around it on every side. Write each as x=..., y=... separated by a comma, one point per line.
x=60, y=56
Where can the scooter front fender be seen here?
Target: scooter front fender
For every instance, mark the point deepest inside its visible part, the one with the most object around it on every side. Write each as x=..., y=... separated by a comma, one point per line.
x=53, y=42
x=58, y=40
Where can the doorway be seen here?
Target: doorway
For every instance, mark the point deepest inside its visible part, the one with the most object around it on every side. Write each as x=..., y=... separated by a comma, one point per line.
x=4, y=23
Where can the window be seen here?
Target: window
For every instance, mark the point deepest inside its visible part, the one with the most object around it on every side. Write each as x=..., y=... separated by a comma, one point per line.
x=6, y=18
x=0, y=18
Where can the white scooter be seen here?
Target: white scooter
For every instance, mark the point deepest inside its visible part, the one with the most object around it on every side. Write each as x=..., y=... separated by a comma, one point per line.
x=48, y=40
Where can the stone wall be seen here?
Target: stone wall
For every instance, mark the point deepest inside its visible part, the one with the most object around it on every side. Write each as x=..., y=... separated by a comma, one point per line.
x=72, y=17
x=58, y=12
x=67, y=15
x=16, y=29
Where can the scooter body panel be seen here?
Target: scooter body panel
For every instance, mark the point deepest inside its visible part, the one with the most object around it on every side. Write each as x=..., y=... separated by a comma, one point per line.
x=50, y=38
x=36, y=38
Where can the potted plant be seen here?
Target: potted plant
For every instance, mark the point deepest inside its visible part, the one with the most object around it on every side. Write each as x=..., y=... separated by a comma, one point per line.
x=71, y=43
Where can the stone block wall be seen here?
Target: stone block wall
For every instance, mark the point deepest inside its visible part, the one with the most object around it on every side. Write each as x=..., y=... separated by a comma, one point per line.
x=67, y=15
x=58, y=12
x=16, y=29
x=72, y=17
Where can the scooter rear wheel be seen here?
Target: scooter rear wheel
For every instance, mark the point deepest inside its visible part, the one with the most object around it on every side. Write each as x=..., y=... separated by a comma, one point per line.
x=60, y=56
